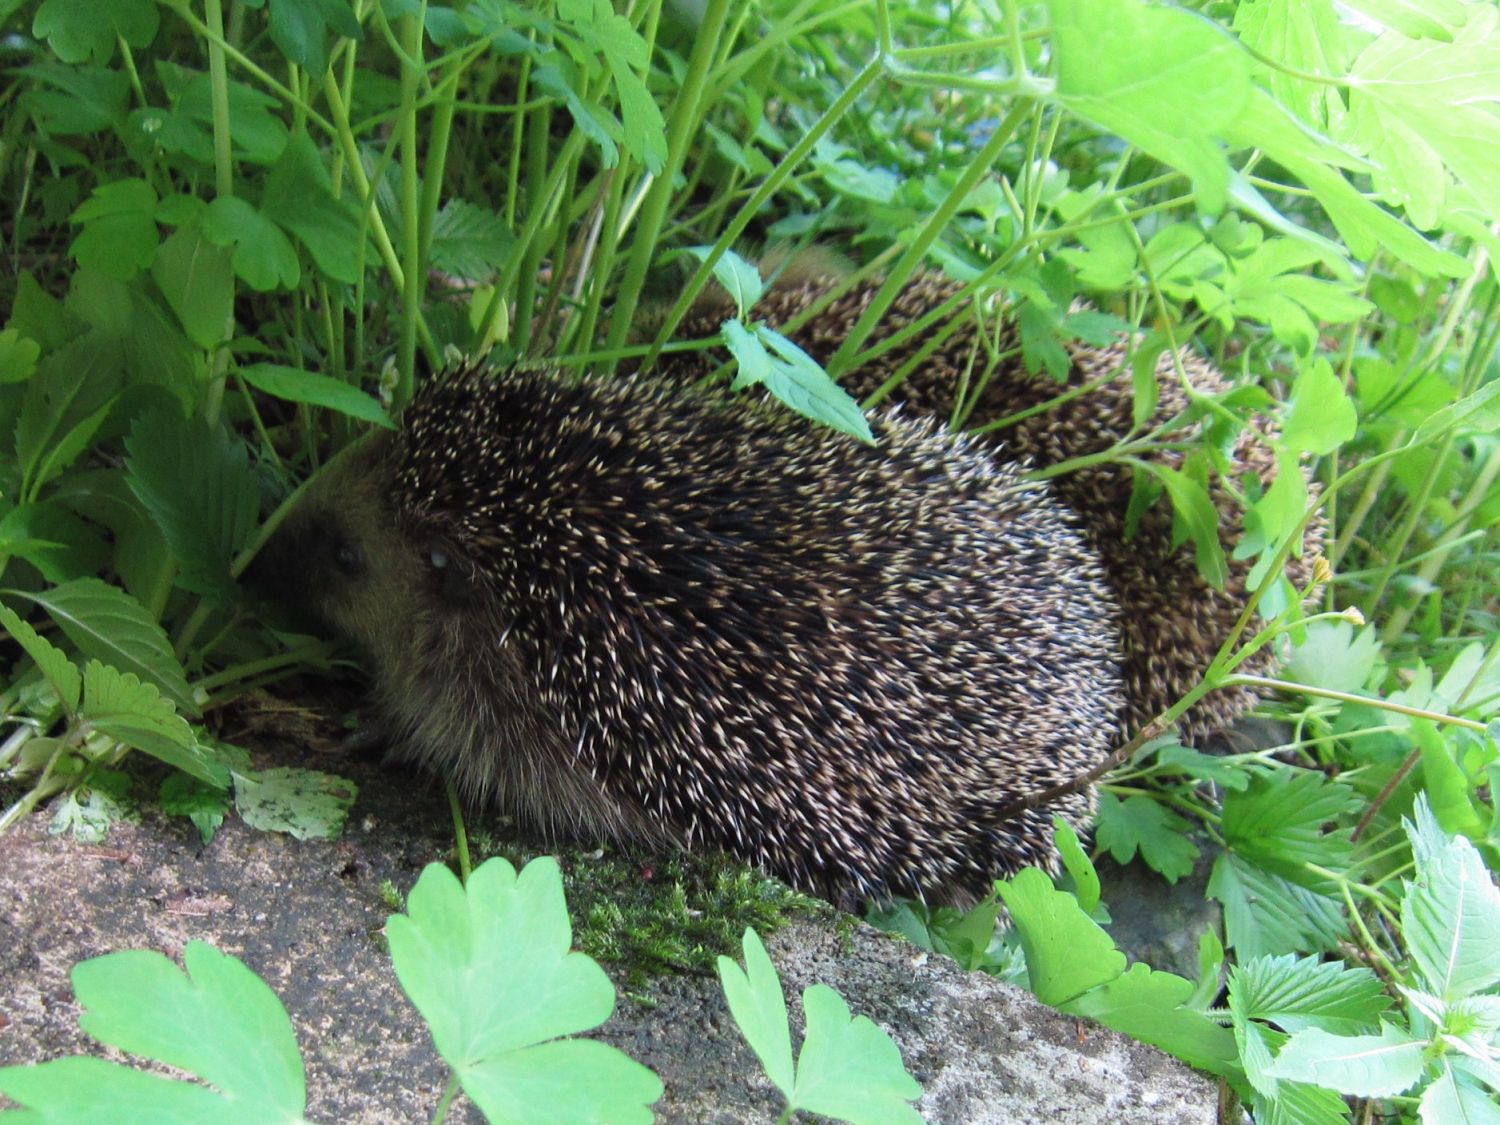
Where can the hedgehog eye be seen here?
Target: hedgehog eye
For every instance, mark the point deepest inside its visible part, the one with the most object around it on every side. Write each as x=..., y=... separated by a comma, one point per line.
x=346, y=556
x=437, y=558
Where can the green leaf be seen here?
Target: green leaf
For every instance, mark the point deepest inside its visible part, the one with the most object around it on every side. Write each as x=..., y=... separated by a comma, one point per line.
x=1333, y=656
x=1302, y=35
x=205, y=805
x=18, y=356
x=1139, y=823
x=1277, y=823
x=797, y=380
x=1425, y=110
x=1366, y=1066
x=1170, y=82
x=1451, y=912
x=119, y=236
x=1076, y=863
x=1452, y=1101
x=87, y=1091
x=1066, y=951
x=299, y=198
x=1419, y=19
x=88, y=812
x=197, y=483
x=219, y=1021
x=84, y=30
x=759, y=1008
x=61, y=673
x=755, y=362
x=112, y=627
x=849, y=1068
x=469, y=241
x=119, y=705
x=611, y=36
x=1320, y=416
x=1204, y=767
x=65, y=403
x=1298, y=993
x=490, y=969
x=1265, y=914
x=197, y=279
x=307, y=804
x=1478, y=412
x=740, y=279
x=296, y=385
x=1192, y=505
x=85, y=99
x=262, y=255
x=300, y=29
x=1147, y=1005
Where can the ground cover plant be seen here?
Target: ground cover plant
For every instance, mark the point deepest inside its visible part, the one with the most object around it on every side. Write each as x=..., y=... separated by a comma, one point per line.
x=240, y=232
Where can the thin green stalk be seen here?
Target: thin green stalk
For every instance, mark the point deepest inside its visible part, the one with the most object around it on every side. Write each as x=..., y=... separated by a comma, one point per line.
x=1268, y=683
x=449, y=1092
x=686, y=111
x=931, y=230
x=460, y=833
x=411, y=207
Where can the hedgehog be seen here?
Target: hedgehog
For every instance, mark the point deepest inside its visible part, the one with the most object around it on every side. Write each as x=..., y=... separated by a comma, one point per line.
x=1172, y=621
x=622, y=608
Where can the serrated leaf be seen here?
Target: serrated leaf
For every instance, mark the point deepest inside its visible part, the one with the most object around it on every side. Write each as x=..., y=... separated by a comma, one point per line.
x=1297, y=993
x=1298, y=1103
x=88, y=813
x=112, y=627
x=197, y=483
x=1450, y=915
x=52, y=662
x=205, y=805
x=218, y=1021
x=1367, y=1066
x=1452, y=1101
x=469, y=241
x=1278, y=822
x=740, y=279
x=759, y=1008
x=296, y=385
x=797, y=380
x=755, y=362
x=490, y=969
x=299, y=198
x=849, y=1068
x=1265, y=914
x=1139, y=823
x=1066, y=951
x=1147, y=1005
x=307, y=804
x=119, y=705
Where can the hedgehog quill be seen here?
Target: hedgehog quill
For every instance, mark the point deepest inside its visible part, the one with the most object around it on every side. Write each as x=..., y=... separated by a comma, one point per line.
x=624, y=609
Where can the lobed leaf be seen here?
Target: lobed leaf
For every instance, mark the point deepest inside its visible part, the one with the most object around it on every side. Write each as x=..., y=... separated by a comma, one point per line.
x=759, y=1008
x=849, y=1068
x=1450, y=915
x=1067, y=953
x=1147, y=1005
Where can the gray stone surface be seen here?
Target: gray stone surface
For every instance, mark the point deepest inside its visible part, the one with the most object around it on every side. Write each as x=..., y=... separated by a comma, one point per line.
x=307, y=916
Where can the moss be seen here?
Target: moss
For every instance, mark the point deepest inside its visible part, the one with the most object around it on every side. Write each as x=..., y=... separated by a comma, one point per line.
x=657, y=914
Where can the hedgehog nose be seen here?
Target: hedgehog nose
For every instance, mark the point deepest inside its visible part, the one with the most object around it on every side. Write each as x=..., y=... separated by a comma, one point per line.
x=275, y=585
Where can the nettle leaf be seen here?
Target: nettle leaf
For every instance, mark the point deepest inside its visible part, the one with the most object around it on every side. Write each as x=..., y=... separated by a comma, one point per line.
x=119, y=705
x=1277, y=823
x=1265, y=914
x=1366, y=1066
x=119, y=236
x=1425, y=109
x=197, y=483
x=1451, y=1100
x=296, y=385
x=1320, y=415
x=300, y=28
x=849, y=1068
x=1298, y=1103
x=1297, y=993
x=306, y=804
x=740, y=279
x=1450, y=915
x=469, y=241
x=53, y=663
x=299, y=198
x=1147, y=1005
x=262, y=255
x=87, y=30
x=490, y=968
x=1141, y=824
x=197, y=279
x=219, y=1022
x=1170, y=82
x=1067, y=953
x=110, y=626
x=795, y=378
x=759, y=1008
